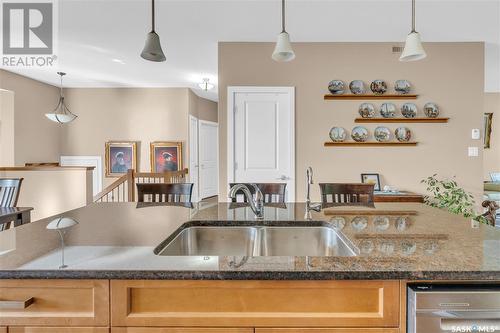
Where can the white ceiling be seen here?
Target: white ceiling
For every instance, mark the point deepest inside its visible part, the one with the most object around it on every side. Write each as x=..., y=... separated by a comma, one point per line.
x=100, y=41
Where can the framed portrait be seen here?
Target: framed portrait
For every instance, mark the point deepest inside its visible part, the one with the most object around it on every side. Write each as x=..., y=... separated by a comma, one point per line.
x=371, y=178
x=166, y=156
x=120, y=156
x=488, y=117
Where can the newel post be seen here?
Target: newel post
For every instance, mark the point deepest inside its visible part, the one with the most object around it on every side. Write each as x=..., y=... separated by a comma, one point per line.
x=131, y=185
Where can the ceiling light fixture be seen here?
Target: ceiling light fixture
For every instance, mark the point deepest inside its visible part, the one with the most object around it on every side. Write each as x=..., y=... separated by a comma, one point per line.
x=206, y=85
x=283, y=50
x=413, y=50
x=61, y=113
x=152, y=49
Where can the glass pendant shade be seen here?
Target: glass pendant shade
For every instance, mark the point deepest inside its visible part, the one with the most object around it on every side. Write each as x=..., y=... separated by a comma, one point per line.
x=283, y=50
x=413, y=50
x=152, y=49
x=61, y=113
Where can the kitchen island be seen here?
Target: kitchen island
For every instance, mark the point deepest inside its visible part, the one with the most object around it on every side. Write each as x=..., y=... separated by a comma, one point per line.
x=114, y=279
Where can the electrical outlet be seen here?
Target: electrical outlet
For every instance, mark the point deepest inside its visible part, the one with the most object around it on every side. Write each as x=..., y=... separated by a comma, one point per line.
x=473, y=151
x=476, y=134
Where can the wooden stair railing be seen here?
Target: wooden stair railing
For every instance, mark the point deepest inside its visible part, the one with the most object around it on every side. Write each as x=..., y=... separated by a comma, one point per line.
x=123, y=189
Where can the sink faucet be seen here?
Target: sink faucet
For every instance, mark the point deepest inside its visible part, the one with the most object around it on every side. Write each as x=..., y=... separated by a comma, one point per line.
x=309, y=205
x=256, y=204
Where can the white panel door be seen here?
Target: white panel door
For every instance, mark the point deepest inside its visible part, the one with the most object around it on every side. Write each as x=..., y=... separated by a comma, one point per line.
x=193, y=157
x=86, y=161
x=263, y=147
x=208, y=158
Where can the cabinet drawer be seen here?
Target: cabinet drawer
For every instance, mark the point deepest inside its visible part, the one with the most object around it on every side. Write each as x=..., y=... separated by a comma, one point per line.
x=54, y=303
x=255, y=303
x=58, y=330
x=180, y=330
x=327, y=330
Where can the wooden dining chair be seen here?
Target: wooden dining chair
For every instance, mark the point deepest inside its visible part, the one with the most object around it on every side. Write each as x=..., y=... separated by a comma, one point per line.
x=9, y=191
x=346, y=193
x=160, y=192
x=273, y=192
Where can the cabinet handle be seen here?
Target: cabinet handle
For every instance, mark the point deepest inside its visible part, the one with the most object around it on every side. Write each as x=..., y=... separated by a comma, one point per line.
x=16, y=305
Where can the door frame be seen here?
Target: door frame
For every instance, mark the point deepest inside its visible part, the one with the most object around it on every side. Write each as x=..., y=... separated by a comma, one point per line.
x=195, y=196
x=216, y=125
x=231, y=92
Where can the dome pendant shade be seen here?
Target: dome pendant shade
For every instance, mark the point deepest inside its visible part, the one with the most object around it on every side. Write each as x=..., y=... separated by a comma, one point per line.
x=152, y=49
x=61, y=113
x=283, y=50
x=413, y=50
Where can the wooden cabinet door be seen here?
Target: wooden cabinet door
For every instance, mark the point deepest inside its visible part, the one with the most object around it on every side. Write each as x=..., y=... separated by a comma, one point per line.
x=3, y=329
x=255, y=303
x=58, y=330
x=179, y=330
x=327, y=330
x=54, y=303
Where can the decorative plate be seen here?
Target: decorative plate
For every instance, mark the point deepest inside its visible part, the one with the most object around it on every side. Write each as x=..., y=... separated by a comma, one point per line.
x=359, y=134
x=386, y=247
x=382, y=134
x=388, y=110
x=402, y=86
x=408, y=248
x=403, y=134
x=366, y=246
x=381, y=223
x=359, y=223
x=378, y=87
x=338, y=222
x=336, y=87
x=402, y=223
x=409, y=110
x=367, y=110
x=357, y=87
x=337, y=134
x=431, y=110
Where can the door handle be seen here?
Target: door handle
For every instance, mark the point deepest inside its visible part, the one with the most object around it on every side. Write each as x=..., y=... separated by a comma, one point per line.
x=16, y=305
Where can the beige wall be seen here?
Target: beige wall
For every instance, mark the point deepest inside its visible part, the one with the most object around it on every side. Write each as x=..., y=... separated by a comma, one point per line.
x=452, y=76
x=52, y=191
x=136, y=114
x=36, y=138
x=492, y=155
x=202, y=108
x=7, y=128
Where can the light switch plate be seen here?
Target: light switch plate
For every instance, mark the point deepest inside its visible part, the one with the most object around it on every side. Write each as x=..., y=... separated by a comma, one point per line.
x=476, y=134
x=473, y=151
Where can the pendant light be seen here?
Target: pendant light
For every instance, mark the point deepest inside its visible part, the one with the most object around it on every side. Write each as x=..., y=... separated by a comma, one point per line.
x=61, y=113
x=283, y=50
x=413, y=50
x=206, y=85
x=152, y=49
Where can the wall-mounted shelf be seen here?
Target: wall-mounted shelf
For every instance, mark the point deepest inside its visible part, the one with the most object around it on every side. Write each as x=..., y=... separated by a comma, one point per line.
x=369, y=144
x=402, y=120
x=369, y=97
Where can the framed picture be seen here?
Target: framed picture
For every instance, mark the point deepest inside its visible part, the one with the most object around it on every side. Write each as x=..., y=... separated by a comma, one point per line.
x=120, y=156
x=166, y=156
x=371, y=178
x=488, y=117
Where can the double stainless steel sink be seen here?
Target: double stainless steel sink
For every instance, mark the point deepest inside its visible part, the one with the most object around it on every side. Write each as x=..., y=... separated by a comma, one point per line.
x=258, y=241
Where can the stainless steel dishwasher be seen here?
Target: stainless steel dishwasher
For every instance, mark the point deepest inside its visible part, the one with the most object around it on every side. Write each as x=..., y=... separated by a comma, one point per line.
x=436, y=308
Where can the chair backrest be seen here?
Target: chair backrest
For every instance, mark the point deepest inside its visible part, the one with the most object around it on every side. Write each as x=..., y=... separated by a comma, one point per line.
x=9, y=191
x=346, y=193
x=180, y=192
x=273, y=192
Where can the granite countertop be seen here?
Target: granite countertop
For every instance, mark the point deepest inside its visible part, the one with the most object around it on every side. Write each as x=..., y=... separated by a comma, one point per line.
x=117, y=241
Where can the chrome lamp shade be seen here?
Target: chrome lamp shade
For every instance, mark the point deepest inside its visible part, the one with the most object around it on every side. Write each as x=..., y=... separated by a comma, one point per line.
x=152, y=49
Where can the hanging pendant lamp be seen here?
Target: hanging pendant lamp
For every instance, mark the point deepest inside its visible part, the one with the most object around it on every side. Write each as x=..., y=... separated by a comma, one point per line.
x=206, y=85
x=152, y=48
x=283, y=50
x=413, y=50
x=61, y=113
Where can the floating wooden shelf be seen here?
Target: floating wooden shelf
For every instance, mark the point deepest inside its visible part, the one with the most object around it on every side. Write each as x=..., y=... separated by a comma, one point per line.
x=402, y=120
x=368, y=144
x=369, y=97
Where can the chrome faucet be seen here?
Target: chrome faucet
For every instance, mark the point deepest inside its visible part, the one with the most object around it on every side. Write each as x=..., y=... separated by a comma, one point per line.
x=309, y=205
x=256, y=204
